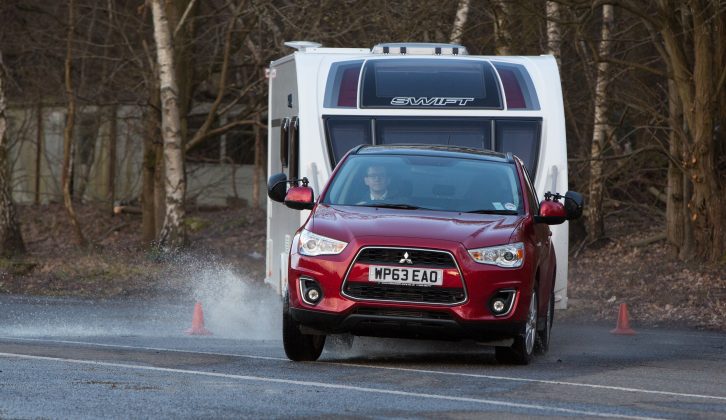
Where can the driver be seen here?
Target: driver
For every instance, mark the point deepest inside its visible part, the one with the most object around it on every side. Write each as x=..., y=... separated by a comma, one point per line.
x=377, y=181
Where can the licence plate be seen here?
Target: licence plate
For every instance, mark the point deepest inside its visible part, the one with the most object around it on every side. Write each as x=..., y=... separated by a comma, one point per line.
x=406, y=276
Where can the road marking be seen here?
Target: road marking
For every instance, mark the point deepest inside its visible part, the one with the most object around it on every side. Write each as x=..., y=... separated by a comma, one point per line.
x=401, y=369
x=330, y=386
x=541, y=381
x=122, y=346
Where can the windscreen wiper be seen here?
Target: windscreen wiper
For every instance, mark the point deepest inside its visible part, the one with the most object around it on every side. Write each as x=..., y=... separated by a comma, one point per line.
x=493, y=211
x=395, y=206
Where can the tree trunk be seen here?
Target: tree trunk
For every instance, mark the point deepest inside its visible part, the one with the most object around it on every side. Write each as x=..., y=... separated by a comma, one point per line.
x=67, y=174
x=149, y=224
x=675, y=214
x=707, y=202
x=159, y=186
x=39, y=134
x=554, y=36
x=183, y=36
x=594, y=222
x=698, y=88
x=112, y=133
x=462, y=12
x=11, y=240
x=172, y=235
x=502, y=36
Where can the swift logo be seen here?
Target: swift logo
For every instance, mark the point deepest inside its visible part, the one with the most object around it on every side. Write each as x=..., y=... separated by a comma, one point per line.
x=432, y=101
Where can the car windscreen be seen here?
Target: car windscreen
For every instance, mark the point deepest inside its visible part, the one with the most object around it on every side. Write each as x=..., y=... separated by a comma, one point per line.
x=426, y=182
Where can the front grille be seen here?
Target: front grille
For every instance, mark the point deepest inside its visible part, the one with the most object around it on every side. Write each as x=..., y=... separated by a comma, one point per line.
x=402, y=313
x=419, y=258
x=417, y=294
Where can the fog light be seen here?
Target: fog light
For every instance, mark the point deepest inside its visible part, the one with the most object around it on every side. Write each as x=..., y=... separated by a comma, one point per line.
x=310, y=291
x=314, y=295
x=502, y=301
x=498, y=305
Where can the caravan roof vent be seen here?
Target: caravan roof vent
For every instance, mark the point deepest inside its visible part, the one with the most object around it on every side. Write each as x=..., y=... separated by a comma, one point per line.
x=302, y=46
x=419, y=48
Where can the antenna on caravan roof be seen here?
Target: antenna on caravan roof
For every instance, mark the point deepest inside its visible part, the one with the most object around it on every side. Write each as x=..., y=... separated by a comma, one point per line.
x=303, y=45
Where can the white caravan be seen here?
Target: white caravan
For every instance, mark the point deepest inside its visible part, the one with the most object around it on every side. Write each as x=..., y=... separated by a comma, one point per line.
x=325, y=101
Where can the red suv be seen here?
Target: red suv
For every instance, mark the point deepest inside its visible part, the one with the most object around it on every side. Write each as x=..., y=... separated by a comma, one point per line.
x=423, y=242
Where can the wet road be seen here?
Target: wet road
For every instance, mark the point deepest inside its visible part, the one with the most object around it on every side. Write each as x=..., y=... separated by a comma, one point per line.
x=62, y=358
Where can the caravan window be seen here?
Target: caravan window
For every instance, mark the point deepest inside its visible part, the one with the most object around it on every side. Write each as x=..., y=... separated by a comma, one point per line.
x=284, y=141
x=294, y=148
x=341, y=90
x=430, y=84
x=450, y=131
x=518, y=86
x=344, y=133
x=521, y=138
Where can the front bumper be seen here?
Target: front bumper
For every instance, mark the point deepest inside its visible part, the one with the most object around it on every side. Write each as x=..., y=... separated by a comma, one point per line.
x=469, y=319
x=383, y=324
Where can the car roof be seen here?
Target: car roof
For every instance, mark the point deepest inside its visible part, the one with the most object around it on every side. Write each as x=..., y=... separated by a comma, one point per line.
x=434, y=150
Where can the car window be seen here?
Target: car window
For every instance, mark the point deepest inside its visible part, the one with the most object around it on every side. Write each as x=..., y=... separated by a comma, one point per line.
x=430, y=182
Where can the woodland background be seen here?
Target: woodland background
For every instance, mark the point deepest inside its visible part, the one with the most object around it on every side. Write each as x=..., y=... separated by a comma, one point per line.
x=643, y=85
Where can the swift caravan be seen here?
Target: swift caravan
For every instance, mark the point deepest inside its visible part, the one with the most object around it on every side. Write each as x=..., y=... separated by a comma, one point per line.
x=323, y=102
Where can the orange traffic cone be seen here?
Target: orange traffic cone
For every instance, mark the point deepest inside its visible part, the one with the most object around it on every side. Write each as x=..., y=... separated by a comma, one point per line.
x=623, y=326
x=198, y=322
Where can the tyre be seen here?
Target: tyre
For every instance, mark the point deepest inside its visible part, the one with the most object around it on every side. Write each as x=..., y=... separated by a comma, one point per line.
x=542, y=344
x=520, y=352
x=299, y=347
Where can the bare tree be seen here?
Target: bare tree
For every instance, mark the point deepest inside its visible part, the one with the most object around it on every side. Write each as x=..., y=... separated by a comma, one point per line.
x=150, y=226
x=67, y=175
x=678, y=229
x=502, y=34
x=172, y=235
x=554, y=36
x=11, y=240
x=595, y=226
x=462, y=12
x=699, y=79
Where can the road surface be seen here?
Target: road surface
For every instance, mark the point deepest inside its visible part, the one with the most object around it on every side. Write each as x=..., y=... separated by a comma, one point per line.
x=71, y=358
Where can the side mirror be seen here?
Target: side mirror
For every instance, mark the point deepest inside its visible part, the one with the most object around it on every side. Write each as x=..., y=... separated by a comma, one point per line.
x=573, y=205
x=276, y=187
x=551, y=212
x=300, y=198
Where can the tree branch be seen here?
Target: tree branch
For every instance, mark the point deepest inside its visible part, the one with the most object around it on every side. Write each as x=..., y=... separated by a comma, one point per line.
x=220, y=130
x=617, y=157
x=633, y=65
x=184, y=17
x=222, y=80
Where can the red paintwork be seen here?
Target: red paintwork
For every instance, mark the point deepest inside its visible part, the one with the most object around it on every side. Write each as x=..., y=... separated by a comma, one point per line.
x=299, y=195
x=549, y=208
x=449, y=231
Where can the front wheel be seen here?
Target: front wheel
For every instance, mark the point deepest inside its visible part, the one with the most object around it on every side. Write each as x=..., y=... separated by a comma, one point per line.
x=299, y=347
x=520, y=352
x=543, y=337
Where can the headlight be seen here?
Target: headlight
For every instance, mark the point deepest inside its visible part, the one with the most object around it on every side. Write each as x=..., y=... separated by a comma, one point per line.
x=312, y=245
x=509, y=256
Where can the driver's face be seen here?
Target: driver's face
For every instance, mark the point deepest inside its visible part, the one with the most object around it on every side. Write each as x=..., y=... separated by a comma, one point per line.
x=376, y=179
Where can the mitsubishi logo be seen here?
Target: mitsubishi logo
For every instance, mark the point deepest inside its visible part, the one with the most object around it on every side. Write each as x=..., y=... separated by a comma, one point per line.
x=405, y=259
